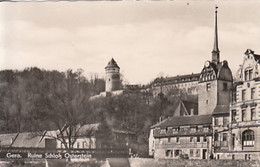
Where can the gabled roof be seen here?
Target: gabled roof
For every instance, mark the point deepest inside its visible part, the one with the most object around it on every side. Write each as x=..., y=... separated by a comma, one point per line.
x=7, y=139
x=185, y=120
x=92, y=129
x=256, y=56
x=221, y=71
x=112, y=64
x=28, y=140
x=88, y=129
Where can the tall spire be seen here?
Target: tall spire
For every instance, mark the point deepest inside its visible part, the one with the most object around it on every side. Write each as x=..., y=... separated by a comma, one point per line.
x=215, y=52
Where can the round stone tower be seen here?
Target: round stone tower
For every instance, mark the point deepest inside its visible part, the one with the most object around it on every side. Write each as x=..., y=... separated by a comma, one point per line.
x=112, y=76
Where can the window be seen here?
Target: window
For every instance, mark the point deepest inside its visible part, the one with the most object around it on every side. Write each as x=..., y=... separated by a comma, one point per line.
x=205, y=129
x=77, y=144
x=169, y=153
x=243, y=115
x=207, y=101
x=252, y=93
x=217, y=121
x=216, y=137
x=234, y=97
x=177, y=140
x=163, y=131
x=169, y=139
x=243, y=95
x=198, y=139
x=208, y=86
x=246, y=75
x=176, y=153
x=248, y=138
x=193, y=129
x=253, y=114
x=224, y=137
x=233, y=140
x=197, y=152
x=191, y=139
x=204, y=139
x=251, y=74
x=225, y=86
x=175, y=130
x=225, y=121
x=233, y=116
x=191, y=152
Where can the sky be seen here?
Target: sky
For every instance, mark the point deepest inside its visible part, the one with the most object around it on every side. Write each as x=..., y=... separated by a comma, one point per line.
x=146, y=38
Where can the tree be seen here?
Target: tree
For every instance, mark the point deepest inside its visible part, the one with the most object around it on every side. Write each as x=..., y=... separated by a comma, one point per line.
x=67, y=103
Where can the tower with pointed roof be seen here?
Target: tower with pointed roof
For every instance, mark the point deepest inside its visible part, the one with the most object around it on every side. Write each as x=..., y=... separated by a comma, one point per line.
x=215, y=82
x=112, y=76
x=215, y=51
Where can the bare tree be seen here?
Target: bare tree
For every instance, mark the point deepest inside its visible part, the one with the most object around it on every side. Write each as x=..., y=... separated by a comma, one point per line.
x=67, y=103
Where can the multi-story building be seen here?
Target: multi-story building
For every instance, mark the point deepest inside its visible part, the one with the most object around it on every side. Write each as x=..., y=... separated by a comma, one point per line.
x=185, y=136
x=187, y=83
x=244, y=129
x=175, y=136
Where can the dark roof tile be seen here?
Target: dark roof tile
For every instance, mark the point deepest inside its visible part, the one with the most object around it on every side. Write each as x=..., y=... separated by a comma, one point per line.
x=221, y=109
x=112, y=64
x=185, y=120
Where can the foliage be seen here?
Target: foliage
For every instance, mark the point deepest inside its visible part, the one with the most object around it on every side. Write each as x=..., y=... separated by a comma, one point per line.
x=36, y=100
x=29, y=98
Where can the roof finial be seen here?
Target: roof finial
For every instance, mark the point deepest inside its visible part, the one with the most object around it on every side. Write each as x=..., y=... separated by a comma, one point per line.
x=215, y=52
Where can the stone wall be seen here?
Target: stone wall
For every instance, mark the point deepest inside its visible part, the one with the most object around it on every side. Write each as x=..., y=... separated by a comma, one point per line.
x=145, y=162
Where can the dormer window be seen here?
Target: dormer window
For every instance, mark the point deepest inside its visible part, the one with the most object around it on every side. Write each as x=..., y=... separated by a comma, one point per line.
x=163, y=131
x=205, y=129
x=193, y=129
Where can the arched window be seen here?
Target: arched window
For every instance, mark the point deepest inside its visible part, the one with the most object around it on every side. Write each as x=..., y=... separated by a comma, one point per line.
x=248, y=138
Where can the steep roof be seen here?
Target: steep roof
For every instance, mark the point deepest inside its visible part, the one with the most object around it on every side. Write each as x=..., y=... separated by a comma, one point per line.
x=112, y=64
x=28, y=140
x=256, y=56
x=7, y=139
x=185, y=120
x=221, y=109
x=88, y=129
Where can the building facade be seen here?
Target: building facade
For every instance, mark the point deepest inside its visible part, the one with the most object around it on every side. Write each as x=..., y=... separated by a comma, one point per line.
x=187, y=83
x=208, y=125
x=244, y=128
x=182, y=137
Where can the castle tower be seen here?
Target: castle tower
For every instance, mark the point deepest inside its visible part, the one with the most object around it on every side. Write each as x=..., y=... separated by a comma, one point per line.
x=215, y=82
x=112, y=76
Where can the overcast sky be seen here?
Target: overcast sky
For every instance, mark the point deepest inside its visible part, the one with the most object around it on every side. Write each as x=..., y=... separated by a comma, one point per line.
x=146, y=39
